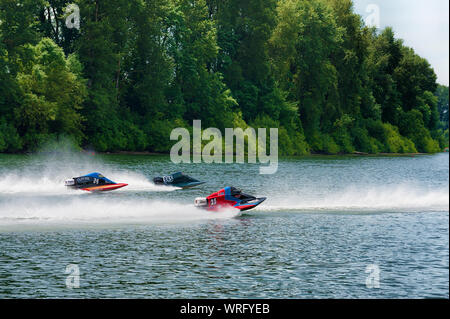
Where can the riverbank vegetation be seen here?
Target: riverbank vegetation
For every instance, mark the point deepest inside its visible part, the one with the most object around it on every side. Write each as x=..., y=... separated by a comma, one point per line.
x=136, y=69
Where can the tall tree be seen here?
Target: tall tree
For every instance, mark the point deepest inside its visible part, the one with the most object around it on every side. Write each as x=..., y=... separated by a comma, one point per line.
x=101, y=50
x=52, y=95
x=385, y=56
x=303, y=64
x=193, y=48
x=244, y=28
x=442, y=95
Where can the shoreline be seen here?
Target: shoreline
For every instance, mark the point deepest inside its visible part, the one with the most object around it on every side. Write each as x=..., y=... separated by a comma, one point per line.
x=306, y=155
x=148, y=153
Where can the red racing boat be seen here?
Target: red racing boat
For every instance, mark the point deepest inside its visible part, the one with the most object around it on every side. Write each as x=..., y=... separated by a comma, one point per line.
x=229, y=197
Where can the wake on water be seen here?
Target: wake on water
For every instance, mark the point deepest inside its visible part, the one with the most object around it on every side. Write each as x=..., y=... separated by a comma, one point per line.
x=37, y=194
x=104, y=211
x=16, y=183
x=403, y=198
x=47, y=176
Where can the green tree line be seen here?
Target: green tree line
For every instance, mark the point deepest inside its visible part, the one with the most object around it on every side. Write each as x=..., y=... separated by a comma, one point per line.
x=136, y=69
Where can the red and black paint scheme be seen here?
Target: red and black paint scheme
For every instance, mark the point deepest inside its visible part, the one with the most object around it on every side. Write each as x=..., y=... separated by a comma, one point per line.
x=93, y=182
x=228, y=197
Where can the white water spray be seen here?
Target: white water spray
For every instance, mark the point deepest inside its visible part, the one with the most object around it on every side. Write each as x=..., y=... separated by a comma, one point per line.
x=400, y=198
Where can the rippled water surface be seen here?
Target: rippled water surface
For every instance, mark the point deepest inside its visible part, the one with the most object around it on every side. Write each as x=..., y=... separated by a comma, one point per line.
x=325, y=222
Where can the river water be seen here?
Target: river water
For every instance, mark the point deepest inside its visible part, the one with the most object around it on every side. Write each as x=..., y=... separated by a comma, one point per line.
x=331, y=227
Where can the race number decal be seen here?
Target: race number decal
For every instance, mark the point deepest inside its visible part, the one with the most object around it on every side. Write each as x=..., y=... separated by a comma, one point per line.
x=167, y=179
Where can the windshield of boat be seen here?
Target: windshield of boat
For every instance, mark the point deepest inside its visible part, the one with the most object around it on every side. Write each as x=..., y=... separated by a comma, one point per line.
x=237, y=193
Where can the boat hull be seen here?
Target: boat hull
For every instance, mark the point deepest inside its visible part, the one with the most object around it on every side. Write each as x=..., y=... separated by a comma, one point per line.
x=226, y=198
x=246, y=206
x=188, y=185
x=104, y=188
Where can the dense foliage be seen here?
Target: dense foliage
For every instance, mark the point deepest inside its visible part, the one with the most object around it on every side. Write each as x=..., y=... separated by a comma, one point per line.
x=136, y=69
